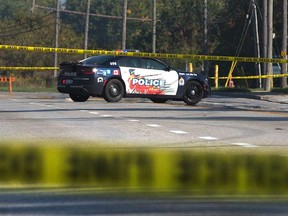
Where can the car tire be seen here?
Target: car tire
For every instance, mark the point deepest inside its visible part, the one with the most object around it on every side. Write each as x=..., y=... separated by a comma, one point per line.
x=193, y=93
x=78, y=98
x=114, y=91
x=159, y=100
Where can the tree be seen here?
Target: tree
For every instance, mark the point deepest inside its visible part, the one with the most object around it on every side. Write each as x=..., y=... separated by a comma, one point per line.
x=179, y=29
x=32, y=30
x=10, y=9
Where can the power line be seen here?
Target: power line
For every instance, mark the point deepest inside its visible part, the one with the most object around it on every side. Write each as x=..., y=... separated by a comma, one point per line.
x=244, y=32
x=93, y=14
x=216, y=26
x=22, y=25
x=23, y=32
x=223, y=19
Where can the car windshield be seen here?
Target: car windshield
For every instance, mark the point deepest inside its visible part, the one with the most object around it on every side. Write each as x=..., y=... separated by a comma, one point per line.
x=96, y=60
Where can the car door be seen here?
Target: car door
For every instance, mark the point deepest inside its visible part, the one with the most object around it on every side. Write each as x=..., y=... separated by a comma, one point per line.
x=148, y=76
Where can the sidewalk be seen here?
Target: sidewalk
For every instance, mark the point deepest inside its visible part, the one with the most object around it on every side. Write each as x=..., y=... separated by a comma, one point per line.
x=261, y=95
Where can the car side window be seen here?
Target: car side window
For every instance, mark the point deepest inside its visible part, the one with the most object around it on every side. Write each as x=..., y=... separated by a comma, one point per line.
x=129, y=62
x=153, y=64
x=97, y=60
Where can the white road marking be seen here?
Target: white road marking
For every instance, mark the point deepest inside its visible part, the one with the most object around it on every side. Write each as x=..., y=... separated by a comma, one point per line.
x=208, y=138
x=153, y=125
x=51, y=106
x=106, y=116
x=178, y=132
x=94, y=113
x=133, y=120
x=246, y=145
x=44, y=105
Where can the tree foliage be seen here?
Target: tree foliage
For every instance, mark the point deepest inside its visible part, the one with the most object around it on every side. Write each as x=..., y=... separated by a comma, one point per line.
x=179, y=28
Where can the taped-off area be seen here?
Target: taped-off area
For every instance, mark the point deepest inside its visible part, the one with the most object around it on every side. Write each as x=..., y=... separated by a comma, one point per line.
x=141, y=54
x=156, y=170
x=7, y=79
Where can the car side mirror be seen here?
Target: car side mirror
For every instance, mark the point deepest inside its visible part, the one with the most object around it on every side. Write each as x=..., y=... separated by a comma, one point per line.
x=168, y=68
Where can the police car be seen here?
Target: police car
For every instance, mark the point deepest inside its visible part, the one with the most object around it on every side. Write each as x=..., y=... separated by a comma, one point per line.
x=115, y=77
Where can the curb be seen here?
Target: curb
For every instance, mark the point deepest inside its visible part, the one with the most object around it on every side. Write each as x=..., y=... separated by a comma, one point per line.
x=265, y=96
x=249, y=95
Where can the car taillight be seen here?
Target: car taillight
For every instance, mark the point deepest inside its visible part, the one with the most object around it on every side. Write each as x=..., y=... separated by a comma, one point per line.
x=90, y=71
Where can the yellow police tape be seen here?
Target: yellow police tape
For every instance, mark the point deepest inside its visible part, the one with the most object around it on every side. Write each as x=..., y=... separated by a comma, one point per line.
x=29, y=68
x=141, y=54
x=57, y=68
x=253, y=77
x=156, y=170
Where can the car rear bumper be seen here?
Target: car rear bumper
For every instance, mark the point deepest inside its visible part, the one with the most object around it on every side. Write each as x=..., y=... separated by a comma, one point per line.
x=90, y=87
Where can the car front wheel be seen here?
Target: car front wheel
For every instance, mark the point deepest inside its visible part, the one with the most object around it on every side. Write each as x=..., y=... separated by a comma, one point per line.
x=193, y=93
x=78, y=98
x=114, y=91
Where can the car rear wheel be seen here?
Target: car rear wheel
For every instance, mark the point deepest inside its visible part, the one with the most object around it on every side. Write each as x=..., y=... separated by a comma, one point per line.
x=78, y=98
x=114, y=91
x=158, y=100
x=193, y=93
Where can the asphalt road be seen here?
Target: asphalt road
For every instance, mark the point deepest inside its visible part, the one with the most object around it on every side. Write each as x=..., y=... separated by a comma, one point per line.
x=64, y=203
x=215, y=122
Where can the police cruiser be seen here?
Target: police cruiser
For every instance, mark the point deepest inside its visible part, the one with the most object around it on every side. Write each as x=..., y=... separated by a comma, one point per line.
x=115, y=77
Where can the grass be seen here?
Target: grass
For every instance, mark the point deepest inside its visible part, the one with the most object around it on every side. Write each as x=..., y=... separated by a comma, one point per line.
x=29, y=89
x=30, y=84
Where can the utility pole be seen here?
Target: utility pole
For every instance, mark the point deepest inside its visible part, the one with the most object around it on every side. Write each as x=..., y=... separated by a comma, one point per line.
x=154, y=21
x=269, y=81
x=57, y=21
x=284, y=45
x=87, y=26
x=124, y=24
x=257, y=44
x=265, y=36
x=205, y=42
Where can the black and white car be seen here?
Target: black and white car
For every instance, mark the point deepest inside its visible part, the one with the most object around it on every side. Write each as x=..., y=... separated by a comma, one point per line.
x=115, y=77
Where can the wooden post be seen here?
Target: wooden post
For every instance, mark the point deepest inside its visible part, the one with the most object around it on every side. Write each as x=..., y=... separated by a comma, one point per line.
x=154, y=22
x=124, y=24
x=234, y=63
x=57, y=28
x=284, y=45
x=216, y=75
x=269, y=81
x=190, y=67
x=10, y=86
x=88, y=3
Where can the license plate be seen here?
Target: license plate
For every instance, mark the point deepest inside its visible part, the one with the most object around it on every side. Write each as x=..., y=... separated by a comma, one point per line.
x=70, y=74
x=67, y=81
